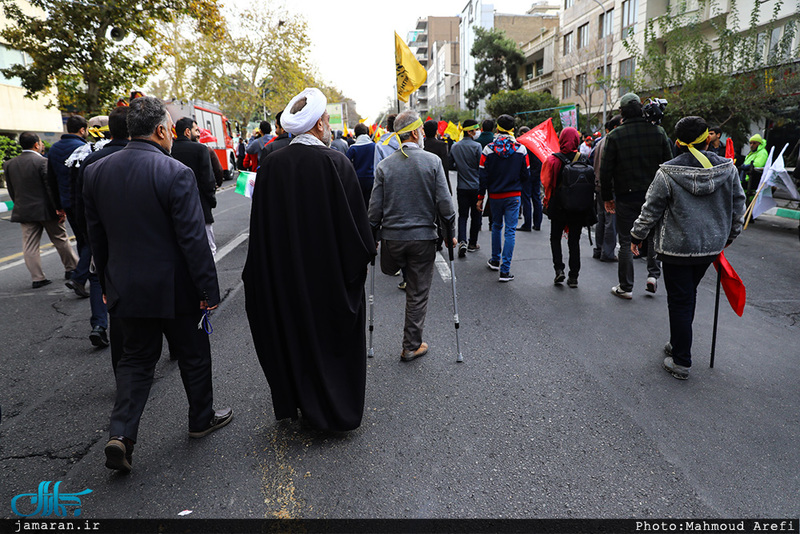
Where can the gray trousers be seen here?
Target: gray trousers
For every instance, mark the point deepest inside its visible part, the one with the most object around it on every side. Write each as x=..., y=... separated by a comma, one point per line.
x=627, y=212
x=31, y=238
x=416, y=258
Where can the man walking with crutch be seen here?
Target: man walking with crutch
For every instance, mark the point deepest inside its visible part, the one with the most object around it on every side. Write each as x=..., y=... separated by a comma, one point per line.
x=410, y=192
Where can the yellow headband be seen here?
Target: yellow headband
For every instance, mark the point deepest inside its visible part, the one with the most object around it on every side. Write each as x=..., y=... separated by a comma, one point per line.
x=509, y=132
x=470, y=128
x=410, y=128
x=94, y=131
x=696, y=153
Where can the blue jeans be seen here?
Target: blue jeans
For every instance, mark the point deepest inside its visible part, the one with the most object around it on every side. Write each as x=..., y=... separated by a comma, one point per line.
x=627, y=212
x=99, y=311
x=504, y=210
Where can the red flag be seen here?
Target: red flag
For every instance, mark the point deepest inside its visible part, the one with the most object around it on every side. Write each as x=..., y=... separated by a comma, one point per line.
x=442, y=127
x=730, y=152
x=428, y=119
x=731, y=283
x=541, y=140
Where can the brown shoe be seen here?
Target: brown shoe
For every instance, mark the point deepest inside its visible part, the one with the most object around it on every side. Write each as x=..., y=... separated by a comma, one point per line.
x=409, y=355
x=119, y=454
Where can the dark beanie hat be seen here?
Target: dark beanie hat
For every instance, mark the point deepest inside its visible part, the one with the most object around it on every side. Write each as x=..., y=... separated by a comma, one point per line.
x=506, y=122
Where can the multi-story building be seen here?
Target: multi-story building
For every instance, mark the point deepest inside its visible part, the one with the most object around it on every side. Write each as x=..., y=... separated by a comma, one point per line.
x=428, y=38
x=22, y=114
x=443, y=83
x=537, y=72
x=519, y=28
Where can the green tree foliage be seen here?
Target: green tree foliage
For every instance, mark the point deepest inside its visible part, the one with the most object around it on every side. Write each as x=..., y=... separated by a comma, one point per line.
x=252, y=72
x=498, y=60
x=519, y=101
x=8, y=148
x=69, y=50
x=451, y=114
x=743, y=77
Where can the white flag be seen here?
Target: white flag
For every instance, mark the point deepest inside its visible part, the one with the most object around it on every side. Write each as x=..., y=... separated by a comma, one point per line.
x=775, y=175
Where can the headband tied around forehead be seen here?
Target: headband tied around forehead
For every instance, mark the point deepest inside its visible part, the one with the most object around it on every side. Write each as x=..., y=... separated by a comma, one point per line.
x=470, y=128
x=509, y=132
x=696, y=153
x=410, y=128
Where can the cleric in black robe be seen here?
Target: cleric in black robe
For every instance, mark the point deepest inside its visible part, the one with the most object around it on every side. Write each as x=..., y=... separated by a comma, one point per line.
x=310, y=243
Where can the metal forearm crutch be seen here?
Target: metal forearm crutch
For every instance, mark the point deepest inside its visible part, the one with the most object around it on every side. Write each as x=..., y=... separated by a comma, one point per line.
x=449, y=237
x=371, y=350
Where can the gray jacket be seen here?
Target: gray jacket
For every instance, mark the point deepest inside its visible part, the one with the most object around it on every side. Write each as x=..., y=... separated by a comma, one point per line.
x=696, y=212
x=408, y=194
x=465, y=157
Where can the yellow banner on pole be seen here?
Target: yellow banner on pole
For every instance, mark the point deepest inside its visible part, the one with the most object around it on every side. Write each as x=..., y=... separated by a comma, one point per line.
x=410, y=72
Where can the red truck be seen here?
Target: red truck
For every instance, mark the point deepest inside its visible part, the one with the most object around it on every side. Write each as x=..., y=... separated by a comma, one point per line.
x=208, y=116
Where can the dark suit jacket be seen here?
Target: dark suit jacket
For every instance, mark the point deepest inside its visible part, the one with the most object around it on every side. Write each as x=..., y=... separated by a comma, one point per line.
x=115, y=145
x=281, y=141
x=196, y=157
x=147, y=234
x=33, y=190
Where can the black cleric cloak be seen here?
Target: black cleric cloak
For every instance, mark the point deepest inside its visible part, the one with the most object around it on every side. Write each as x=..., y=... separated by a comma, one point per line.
x=310, y=243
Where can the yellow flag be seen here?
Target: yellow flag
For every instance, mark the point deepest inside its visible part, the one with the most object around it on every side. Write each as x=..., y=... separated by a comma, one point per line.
x=410, y=73
x=344, y=133
x=453, y=131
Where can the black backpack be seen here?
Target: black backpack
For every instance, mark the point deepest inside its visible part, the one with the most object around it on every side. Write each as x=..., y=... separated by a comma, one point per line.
x=576, y=183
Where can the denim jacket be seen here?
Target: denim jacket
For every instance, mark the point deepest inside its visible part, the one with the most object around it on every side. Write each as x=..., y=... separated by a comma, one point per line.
x=696, y=212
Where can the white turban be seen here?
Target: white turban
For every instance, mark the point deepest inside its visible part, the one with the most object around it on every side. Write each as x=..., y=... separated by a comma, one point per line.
x=306, y=118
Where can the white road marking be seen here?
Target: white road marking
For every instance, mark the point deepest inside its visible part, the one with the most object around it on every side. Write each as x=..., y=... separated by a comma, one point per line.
x=443, y=267
x=232, y=244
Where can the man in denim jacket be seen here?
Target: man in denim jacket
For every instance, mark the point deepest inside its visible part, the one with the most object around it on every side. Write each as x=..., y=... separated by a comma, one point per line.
x=695, y=208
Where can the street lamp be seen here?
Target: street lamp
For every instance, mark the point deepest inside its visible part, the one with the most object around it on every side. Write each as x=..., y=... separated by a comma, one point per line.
x=605, y=58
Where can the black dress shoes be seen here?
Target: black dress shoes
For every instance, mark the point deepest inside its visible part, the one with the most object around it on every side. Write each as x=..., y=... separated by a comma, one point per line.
x=220, y=419
x=77, y=288
x=119, y=454
x=40, y=283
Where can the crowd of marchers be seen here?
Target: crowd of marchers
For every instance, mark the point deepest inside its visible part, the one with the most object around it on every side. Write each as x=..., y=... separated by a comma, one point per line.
x=140, y=205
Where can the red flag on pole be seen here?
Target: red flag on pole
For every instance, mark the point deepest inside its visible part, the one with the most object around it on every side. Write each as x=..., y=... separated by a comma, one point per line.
x=541, y=140
x=732, y=284
x=442, y=127
x=730, y=152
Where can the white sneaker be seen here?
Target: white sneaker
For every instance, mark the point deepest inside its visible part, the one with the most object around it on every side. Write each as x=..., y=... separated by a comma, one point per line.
x=621, y=293
x=652, y=285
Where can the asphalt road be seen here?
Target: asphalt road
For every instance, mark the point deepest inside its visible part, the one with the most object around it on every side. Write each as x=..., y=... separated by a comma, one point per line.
x=560, y=409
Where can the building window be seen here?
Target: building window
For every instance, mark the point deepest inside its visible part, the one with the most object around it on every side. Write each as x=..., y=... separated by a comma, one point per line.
x=583, y=35
x=566, y=88
x=568, y=43
x=580, y=84
x=568, y=4
x=10, y=57
x=606, y=23
x=529, y=71
x=626, y=70
x=539, y=67
x=629, y=10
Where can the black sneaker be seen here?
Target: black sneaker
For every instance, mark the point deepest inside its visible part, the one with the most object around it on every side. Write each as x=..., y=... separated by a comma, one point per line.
x=473, y=248
x=220, y=419
x=402, y=286
x=462, y=249
x=506, y=277
x=493, y=265
x=560, y=277
x=572, y=282
x=98, y=337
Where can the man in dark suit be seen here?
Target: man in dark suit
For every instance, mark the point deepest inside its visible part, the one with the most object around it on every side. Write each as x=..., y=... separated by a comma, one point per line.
x=146, y=232
x=37, y=207
x=195, y=156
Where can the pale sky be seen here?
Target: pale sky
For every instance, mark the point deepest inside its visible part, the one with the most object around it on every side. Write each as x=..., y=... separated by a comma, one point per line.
x=353, y=41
